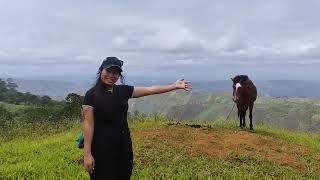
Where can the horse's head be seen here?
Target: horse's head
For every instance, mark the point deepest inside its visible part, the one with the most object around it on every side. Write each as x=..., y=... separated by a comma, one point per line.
x=235, y=86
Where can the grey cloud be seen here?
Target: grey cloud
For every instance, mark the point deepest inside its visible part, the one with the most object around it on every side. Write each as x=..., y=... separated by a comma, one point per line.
x=160, y=33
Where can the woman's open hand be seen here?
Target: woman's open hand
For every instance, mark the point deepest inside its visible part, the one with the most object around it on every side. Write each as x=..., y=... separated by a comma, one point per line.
x=183, y=84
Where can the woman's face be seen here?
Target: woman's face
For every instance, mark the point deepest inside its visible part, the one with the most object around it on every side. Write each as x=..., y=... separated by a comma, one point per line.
x=110, y=76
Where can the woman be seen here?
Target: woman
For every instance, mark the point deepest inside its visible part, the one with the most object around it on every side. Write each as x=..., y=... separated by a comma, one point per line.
x=107, y=142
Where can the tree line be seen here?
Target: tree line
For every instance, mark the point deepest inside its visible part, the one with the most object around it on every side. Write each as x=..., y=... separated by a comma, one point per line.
x=36, y=108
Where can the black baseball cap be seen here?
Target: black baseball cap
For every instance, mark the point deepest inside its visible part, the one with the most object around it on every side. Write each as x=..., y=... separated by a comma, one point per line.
x=112, y=62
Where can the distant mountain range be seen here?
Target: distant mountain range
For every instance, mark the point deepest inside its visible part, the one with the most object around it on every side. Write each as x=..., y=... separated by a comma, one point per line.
x=58, y=89
x=55, y=89
x=273, y=88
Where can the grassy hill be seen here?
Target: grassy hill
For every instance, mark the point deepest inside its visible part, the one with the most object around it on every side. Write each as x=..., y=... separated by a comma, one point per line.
x=164, y=148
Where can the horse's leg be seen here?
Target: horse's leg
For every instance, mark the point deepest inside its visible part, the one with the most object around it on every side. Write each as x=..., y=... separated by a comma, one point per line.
x=244, y=119
x=241, y=120
x=245, y=113
x=239, y=114
x=239, y=117
x=250, y=115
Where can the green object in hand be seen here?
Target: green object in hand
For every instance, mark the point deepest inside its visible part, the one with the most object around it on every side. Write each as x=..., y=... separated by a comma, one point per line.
x=80, y=140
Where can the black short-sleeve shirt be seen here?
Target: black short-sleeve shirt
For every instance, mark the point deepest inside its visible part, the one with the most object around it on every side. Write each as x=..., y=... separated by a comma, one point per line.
x=110, y=108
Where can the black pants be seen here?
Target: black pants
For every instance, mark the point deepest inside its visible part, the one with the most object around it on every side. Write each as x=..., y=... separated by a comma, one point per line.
x=113, y=156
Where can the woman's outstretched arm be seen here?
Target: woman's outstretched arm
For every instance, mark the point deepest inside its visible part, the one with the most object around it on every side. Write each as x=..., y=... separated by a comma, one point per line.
x=158, y=89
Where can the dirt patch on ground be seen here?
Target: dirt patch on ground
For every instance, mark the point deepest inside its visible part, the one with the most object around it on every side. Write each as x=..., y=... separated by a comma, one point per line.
x=271, y=148
x=223, y=142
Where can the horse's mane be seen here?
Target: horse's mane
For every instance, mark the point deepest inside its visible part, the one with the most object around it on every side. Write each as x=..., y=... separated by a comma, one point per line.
x=240, y=79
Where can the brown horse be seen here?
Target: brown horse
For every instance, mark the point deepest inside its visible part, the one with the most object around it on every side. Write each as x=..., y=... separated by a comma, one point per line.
x=244, y=95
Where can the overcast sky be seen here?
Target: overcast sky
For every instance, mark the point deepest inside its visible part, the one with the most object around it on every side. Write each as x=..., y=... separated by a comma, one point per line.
x=270, y=39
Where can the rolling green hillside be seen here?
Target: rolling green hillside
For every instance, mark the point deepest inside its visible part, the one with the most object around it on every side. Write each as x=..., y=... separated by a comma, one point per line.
x=293, y=114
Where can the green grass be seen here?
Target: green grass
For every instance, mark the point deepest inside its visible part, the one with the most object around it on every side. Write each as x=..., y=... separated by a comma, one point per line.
x=42, y=157
x=20, y=129
x=55, y=156
x=311, y=140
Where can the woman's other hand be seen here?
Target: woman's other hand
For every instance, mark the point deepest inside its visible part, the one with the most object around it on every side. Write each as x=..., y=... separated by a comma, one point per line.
x=89, y=163
x=183, y=84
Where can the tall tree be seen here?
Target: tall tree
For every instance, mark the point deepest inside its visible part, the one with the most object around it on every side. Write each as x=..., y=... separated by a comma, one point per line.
x=46, y=101
x=3, y=89
x=73, y=106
